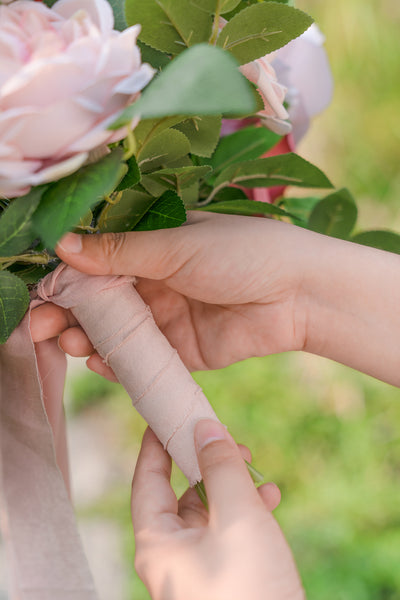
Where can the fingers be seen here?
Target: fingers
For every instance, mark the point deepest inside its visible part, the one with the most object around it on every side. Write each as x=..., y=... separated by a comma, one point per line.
x=152, y=254
x=96, y=364
x=75, y=342
x=192, y=510
x=245, y=452
x=230, y=490
x=270, y=494
x=190, y=507
x=153, y=500
x=49, y=320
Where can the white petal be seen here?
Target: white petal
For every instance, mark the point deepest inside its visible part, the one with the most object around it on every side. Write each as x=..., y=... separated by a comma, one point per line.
x=276, y=125
x=303, y=65
x=135, y=82
x=99, y=11
x=56, y=171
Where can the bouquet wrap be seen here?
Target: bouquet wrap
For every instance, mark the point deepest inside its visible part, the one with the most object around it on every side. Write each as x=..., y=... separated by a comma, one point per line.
x=34, y=502
x=46, y=558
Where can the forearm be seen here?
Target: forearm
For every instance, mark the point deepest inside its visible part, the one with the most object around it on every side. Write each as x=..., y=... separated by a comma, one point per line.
x=352, y=305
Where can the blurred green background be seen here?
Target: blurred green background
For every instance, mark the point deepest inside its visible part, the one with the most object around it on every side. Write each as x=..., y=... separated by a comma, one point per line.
x=328, y=436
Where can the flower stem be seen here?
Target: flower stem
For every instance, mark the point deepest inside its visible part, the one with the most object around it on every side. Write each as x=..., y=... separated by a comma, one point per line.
x=215, y=30
x=36, y=258
x=130, y=144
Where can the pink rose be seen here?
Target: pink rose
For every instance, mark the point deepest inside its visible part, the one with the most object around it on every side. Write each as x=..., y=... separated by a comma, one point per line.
x=303, y=67
x=262, y=74
x=65, y=75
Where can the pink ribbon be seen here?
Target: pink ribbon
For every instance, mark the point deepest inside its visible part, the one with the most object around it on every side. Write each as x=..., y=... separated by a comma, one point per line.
x=45, y=554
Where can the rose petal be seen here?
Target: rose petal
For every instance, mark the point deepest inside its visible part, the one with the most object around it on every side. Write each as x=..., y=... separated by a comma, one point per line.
x=65, y=76
x=99, y=11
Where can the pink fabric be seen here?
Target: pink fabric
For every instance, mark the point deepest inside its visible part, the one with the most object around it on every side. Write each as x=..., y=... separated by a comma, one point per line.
x=46, y=559
x=123, y=331
x=36, y=517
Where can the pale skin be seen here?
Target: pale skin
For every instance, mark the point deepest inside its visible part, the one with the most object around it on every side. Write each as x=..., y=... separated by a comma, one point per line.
x=234, y=551
x=222, y=289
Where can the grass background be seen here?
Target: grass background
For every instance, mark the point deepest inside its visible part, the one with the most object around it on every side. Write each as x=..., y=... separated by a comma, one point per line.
x=328, y=436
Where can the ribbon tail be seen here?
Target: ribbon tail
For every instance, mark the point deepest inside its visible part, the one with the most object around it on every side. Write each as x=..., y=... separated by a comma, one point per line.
x=52, y=365
x=47, y=561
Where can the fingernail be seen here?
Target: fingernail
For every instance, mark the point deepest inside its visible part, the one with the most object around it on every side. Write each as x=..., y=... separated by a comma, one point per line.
x=71, y=243
x=207, y=431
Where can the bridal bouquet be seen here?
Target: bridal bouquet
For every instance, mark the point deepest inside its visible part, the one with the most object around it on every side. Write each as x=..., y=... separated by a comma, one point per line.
x=118, y=116
x=111, y=121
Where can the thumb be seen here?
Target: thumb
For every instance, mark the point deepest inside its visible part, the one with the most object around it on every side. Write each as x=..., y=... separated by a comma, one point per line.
x=230, y=490
x=151, y=254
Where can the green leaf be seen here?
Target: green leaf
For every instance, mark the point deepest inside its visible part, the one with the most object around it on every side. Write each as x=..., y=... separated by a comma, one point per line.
x=148, y=128
x=158, y=60
x=246, y=144
x=334, y=215
x=379, y=238
x=16, y=233
x=176, y=178
x=30, y=274
x=214, y=6
x=14, y=301
x=168, y=211
x=166, y=147
x=119, y=14
x=245, y=207
x=245, y=3
x=70, y=198
x=169, y=25
x=301, y=207
x=84, y=221
x=288, y=2
x=261, y=29
x=124, y=215
x=132, y=177
x=190, y=195
x=230, y=193
x=204, y=80
x=284, y=169
x=202, y=133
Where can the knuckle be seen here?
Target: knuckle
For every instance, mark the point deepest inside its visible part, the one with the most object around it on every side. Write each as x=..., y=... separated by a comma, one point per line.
x=111, y=246
x=218, y=455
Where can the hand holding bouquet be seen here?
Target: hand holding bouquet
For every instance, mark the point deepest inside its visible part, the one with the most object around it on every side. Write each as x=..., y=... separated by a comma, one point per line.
x=96, y=136
x=64, y=92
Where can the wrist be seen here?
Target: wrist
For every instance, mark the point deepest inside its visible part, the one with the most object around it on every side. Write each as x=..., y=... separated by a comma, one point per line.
x=351, y=295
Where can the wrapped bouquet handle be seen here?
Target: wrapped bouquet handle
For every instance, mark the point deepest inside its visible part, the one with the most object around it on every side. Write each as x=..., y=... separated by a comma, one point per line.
x=45, y=553
x=122, y=330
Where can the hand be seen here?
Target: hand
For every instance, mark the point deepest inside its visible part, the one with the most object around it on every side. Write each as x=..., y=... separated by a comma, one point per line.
x=221, y=288
x=235, y=551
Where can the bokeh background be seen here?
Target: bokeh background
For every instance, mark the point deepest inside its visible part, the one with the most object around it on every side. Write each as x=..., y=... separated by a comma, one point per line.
x=328, y=436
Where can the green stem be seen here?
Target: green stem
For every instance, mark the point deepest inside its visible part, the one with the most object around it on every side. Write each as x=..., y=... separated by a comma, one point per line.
x=214, y=192
x=87, y=228
x=34, y=258
x=131, y=145
x=215, y=30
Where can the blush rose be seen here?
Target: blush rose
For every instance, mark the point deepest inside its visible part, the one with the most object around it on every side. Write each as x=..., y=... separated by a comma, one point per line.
x=65, y=75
